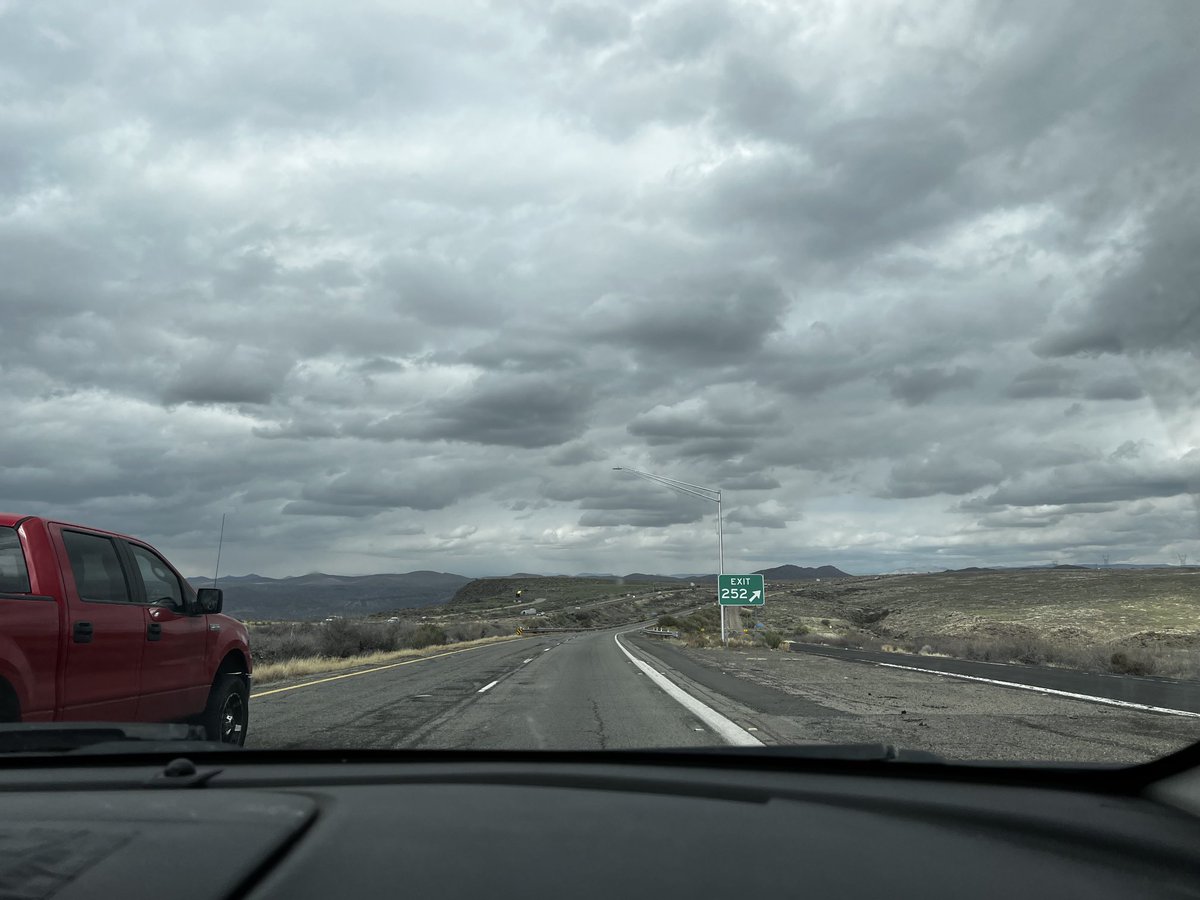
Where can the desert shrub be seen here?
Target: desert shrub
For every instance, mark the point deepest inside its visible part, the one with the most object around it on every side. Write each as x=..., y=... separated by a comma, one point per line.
x=1132, y=662
x=800, y=631
x=772, y=639
x=339, y=639
x=276, y=641
x=668, y=622
x=296, y=644
x=464, y=631
x=426, y=635
x=863, y=617
x=707, y=619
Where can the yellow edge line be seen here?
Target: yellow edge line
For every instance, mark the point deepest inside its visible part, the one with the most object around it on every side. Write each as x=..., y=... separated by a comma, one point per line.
x=407, y=662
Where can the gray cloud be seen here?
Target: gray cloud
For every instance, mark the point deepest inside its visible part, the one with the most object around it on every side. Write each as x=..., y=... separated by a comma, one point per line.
x=519, y=412
x=753, y=482
x=1117, y=388
x=585, y=24
x=574, y=455
x=918, y=386
x=1104, y=482
x=723, y=320
x=942, y=473
x=425, y=278
x=419, y=487
x=639, y=518
x=768, y=514
x=1042, y=381
x=238, y=375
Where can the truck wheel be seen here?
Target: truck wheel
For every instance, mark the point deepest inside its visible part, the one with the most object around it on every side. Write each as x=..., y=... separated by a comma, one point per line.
x=228, y=711
x=10, y=709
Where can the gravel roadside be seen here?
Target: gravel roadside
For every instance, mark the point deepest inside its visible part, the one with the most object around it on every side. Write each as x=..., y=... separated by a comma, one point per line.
x=801, y=698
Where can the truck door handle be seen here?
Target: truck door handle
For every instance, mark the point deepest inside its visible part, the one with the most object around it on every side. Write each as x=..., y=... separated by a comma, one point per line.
x=82, y=633
x=153, y=632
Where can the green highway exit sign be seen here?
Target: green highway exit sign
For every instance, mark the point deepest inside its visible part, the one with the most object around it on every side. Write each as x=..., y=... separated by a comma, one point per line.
x=741, y=590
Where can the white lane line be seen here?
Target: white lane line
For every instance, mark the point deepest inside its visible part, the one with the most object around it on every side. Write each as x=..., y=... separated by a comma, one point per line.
x=731, y=732
x=488, y=687
x=1125, y=704
x=547, y=650
x=528, y=660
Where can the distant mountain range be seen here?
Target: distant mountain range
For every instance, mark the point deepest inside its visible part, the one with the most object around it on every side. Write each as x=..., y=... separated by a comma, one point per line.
x=779, y=573
x=318, y=595
x=1063, y=566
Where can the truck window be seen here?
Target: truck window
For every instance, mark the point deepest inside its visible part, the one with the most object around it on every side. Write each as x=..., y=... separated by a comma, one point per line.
x=14, y=575
x=160, y=582
x=96, y=567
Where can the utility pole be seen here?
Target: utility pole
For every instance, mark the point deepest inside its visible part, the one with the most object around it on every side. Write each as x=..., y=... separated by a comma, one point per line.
x=220, y=541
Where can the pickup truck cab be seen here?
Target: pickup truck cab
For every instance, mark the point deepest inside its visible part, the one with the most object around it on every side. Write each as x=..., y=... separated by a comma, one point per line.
x=97, y=626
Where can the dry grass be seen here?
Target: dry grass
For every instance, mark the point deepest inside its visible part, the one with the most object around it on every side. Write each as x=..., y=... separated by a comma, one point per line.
x=1134, y=622
x=319, y=665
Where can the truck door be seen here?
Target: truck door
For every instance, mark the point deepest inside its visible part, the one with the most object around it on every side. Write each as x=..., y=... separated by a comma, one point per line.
x=30, y=637
x=174, y=681
x=105, y=629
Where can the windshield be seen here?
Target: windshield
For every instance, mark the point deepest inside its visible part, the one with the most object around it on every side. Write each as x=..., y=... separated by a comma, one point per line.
x=604, y=375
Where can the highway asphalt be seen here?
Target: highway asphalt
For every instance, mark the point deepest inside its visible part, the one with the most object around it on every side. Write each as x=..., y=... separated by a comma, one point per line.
x=582, y=691
x=564, y=692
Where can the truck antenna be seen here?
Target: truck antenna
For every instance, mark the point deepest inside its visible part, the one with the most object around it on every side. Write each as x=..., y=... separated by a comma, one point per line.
x=220, y=540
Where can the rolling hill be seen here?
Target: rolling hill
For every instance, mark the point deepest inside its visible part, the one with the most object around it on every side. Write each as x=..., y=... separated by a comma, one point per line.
x=318, y=595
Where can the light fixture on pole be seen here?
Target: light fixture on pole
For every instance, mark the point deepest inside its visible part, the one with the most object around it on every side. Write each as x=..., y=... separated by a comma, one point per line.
x=704, y=493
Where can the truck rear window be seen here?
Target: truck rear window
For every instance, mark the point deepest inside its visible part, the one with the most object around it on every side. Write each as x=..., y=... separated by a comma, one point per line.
x=14, y=575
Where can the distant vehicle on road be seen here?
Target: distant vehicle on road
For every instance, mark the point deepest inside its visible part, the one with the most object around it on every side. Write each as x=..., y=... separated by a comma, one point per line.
x=98, y=626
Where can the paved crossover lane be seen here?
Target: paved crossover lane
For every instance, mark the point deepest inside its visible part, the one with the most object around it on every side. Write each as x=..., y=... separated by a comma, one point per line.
x=1154, y=692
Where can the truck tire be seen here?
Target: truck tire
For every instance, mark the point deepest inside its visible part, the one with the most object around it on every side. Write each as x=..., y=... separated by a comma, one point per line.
x=228, y=712
x=10, y=708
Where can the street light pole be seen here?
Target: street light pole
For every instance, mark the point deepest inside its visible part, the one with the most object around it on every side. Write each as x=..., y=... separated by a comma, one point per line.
x=704, y=493
x=720, y=566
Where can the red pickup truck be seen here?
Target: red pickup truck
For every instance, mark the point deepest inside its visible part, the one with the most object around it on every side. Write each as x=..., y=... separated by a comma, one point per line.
x=97, y=626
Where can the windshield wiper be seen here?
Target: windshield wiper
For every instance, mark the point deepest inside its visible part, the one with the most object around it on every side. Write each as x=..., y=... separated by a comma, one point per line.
x=104, y=737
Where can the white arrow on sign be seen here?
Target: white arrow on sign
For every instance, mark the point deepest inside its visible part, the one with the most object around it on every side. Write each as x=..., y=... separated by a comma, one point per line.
x=756, y=595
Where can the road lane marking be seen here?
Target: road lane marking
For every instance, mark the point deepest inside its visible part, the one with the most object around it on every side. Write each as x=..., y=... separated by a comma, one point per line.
x=1125, y=704
x=528, y=661
x=488, y=687
x=730, y=731
x=407, y=662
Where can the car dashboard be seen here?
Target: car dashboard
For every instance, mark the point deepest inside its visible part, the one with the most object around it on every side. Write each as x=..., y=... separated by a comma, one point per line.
x=582, y=825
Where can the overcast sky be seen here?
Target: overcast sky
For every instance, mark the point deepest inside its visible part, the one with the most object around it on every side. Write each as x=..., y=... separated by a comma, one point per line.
x=915, y=284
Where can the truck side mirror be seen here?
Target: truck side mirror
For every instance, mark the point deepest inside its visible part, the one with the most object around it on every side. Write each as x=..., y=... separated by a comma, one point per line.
x=210, y=600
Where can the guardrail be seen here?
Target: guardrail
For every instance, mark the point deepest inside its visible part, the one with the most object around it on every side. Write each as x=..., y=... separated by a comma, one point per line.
x=660, y=633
